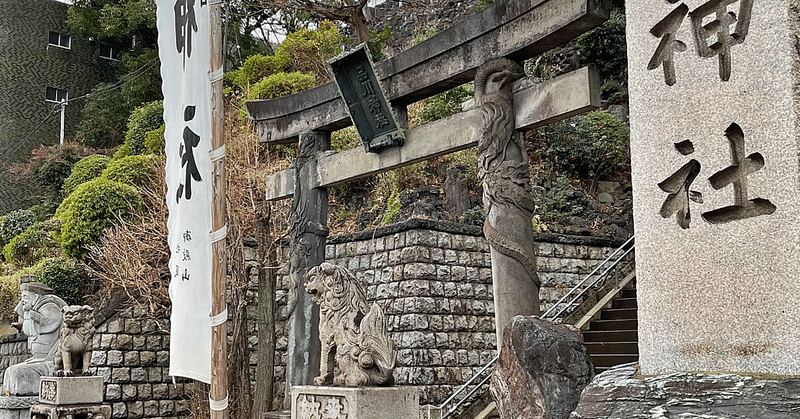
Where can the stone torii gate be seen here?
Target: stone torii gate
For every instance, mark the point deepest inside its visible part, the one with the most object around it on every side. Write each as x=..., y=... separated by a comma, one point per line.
x=484, y=47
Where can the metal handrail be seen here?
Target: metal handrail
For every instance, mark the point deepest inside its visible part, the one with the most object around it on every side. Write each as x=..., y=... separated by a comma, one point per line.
x=584, y=289
x=624, y=250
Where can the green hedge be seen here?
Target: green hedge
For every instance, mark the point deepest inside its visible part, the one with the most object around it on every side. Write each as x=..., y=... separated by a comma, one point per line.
x=92, y=207
x=15, y=222
x=66, y=276
x=136, y=170
x=281, y=84
x=33, y=244
x=85, y=170
x=254, y=69
x=144, y=119
x=154, y=141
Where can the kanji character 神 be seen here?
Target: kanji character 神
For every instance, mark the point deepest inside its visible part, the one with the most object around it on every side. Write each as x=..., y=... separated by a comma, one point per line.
x=720, y=28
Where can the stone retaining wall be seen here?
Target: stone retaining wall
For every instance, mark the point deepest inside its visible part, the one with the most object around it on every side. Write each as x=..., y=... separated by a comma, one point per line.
x=132, y=356
x=13, y=350
x=434, y=282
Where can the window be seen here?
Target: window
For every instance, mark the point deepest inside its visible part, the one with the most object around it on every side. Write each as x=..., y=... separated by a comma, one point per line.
x=56, y=95
x=61, y=40
x=110, y=53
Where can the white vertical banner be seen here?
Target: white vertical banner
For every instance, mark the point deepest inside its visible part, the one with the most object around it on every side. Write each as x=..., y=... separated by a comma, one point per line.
x=184, y=48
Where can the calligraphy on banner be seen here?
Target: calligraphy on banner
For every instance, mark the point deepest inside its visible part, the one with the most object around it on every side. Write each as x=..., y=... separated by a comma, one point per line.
x=184, y=50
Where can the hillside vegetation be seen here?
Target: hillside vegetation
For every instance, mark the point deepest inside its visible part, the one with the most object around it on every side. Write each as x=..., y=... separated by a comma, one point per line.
x=101, y=227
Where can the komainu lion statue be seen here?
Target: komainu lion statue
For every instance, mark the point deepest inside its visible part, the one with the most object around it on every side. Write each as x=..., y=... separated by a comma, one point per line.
x=74, y=349
x=352, y=333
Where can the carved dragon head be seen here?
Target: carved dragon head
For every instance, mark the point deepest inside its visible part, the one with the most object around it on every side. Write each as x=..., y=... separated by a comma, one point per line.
x=493, y=76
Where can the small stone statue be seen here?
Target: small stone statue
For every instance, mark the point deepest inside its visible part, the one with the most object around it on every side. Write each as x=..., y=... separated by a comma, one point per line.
x=350, y=331
x=74, y=352
x=40, y=319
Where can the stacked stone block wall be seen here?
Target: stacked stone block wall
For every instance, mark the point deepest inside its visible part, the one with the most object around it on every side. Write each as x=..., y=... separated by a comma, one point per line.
x=13, y=350
x=434, y=282
x=132, y=356
x=432, y=279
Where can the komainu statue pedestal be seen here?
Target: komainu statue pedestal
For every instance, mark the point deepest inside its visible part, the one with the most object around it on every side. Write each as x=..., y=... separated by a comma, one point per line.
x=78, y=397
x=355, y=402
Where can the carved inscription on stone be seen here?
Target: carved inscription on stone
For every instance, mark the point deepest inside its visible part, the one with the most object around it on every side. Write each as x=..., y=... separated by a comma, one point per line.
x=48, y=390
x=311, y=406
x=717, y=26
x=742, y=165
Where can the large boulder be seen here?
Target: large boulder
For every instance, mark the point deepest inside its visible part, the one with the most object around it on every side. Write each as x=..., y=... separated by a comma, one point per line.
x=622, y=393
x=542, y=369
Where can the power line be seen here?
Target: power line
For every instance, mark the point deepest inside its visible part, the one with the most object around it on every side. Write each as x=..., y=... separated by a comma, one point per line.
x=21, y=143
x=127, y=78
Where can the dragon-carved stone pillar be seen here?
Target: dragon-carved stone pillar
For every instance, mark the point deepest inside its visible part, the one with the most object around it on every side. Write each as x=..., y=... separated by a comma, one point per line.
x=507, y=196
x=308, y=236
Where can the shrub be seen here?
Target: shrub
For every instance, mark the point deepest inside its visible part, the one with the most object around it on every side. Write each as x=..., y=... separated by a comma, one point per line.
x=256, y=68
x=154, y=141
x=377, y=40
x=136, y=171
x=9, y=297
x=84, y=170
x=591, y=145
x=308, y=51
x=33, y=244
x=443, y=104
x=104, y=116
x=121, y=152
x=144, y=119
x=281, y=84
x=605, y=47
x=92, y=207
x=66, y=276
x=345, y=139
x=14, y=223
x=49, y=166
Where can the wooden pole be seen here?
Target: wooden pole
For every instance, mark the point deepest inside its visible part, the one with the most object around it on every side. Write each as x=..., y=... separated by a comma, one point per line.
x=265, y=369
x=219, y=345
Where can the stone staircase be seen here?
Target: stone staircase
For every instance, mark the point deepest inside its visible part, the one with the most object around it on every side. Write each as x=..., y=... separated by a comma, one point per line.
x=612, y=339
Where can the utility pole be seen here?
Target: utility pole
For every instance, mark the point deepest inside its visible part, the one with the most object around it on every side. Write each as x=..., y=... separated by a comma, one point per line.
x=63, y=111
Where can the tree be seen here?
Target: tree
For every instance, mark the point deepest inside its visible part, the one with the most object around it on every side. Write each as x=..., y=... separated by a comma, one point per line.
x=350, y=12
x=118, y=20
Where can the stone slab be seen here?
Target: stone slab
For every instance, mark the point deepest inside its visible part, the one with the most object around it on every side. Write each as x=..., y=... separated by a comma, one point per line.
x=355, y=402
x=16, y=407
x=623, y=393
x=430, y=412
x=717, y=287
x=70, y=390
x=559, y=98
x=94, y=411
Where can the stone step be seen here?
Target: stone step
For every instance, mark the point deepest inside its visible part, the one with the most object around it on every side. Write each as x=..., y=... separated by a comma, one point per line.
x=628, y=293
x=616, y=324
x=610, y=360
x=618, y=313
x=624, y=303
x=612, y=347
x=611, y=336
